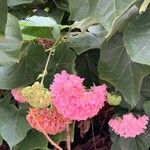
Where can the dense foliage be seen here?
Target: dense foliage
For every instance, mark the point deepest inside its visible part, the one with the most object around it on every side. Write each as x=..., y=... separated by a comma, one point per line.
x=103, y=41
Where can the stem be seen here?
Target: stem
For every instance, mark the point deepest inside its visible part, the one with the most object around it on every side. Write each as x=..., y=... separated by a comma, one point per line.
x=45, y=69
x=93, y=136
x=52, y=142
x=144, y=6
x=68, y=137
x=50, y=51
x=46, y=135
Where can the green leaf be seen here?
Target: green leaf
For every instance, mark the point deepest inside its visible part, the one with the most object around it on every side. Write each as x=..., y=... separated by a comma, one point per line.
x=13, y=125
x=96, y=34
x=1, y=140
x=92, y=39
x=140, y=142
x=147, y=135
x=106, y=12
x=10, y=45
x=144, y=93
x=136, y=38
x=145, y=88
x=84, y=24
x=38, y=21
x=121, y=22
x=24, y=3
x=12, y=28
x=86, y=67
x=20, y=12
x=62, y=4
x=115, y=144
x=3, y=16
x=116, y=67
x=31, y=33
x=24, y=72
x=35, y=23
x=63, y=59
x=146, y=107
x=33, y=140
x=56, y=13
x=12, y=3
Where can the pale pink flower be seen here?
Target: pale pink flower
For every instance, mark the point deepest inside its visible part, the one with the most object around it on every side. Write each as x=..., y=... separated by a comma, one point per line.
x=47, y=120
x=72, y=100
x=17, y=94
x=129, y=125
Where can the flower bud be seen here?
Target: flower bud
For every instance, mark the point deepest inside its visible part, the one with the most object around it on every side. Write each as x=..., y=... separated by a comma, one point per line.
x=113, y=99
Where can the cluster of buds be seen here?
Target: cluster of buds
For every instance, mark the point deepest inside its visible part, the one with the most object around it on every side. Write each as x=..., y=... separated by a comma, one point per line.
x=37, y=96
x=113, y=99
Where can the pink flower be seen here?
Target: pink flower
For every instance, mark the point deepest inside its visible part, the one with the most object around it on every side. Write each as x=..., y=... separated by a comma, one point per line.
x=67, y=85
x=72, y=100
x=128, y=125
x=17, y=94
x=47, y=119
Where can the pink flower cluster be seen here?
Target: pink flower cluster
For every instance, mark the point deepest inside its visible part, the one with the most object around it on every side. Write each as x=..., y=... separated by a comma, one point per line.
x=17, y=94
x=72, y=100
x=47, y=119
x=129, y=125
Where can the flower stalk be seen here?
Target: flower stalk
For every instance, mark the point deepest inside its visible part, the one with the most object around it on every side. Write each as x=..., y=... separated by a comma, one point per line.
x=68, y=137
x=46, y=135
x=48, y=58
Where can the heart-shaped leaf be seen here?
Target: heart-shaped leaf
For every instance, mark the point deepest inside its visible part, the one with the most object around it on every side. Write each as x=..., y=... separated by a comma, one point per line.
x=10, y=45
x=82, y=42
x=12, y=3
x=136, y=38
x=33, y=140
x=35, y=26
x=13, y=125
x=24, y=72
x=106, y=12
x=116, y=67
